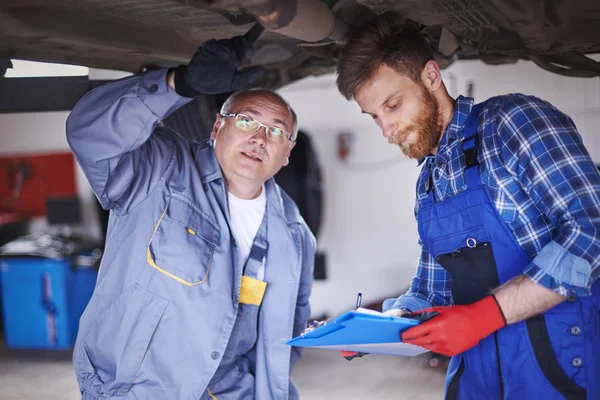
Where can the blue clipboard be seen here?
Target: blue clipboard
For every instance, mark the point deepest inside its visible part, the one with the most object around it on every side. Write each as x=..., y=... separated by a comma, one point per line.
x=363, y=331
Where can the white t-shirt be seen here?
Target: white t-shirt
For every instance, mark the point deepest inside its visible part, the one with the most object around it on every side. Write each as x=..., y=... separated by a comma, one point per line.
x=246, y=217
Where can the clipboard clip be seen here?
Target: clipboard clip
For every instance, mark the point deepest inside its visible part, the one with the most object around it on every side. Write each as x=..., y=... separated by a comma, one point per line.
x=317, y=324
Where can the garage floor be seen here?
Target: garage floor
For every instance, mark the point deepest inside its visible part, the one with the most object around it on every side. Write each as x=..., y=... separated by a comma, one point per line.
x=318, y=374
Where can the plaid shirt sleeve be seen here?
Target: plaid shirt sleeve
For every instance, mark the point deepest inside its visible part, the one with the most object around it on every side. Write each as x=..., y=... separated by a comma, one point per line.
x=429, y=287
x=543, y=150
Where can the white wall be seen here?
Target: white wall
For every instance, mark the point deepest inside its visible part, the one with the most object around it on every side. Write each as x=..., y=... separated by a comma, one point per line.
x=369, y=231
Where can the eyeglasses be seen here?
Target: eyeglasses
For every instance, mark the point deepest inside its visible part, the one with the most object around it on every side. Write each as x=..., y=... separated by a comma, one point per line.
x=249, y=124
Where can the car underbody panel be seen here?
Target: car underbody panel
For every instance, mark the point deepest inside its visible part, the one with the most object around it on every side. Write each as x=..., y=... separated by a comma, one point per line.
x=135, y=35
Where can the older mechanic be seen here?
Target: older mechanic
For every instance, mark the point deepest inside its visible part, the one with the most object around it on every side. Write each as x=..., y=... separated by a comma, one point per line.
x=208, y=265
x=508, y=210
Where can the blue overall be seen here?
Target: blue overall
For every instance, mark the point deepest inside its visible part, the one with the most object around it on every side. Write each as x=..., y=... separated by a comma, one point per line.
x=549, y=356
x=234, y=378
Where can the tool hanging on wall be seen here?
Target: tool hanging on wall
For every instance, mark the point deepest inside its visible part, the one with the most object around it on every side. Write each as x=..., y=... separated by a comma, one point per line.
x=18, y=172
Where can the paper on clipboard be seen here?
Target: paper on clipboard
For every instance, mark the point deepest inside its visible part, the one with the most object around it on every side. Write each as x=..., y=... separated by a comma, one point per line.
x=361, y=330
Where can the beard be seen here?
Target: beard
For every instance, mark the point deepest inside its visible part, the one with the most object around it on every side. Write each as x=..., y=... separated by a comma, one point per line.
x=426, y=128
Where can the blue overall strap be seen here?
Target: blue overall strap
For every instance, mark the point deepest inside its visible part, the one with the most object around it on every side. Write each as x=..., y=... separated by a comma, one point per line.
x=471, y=146
x=258, y=250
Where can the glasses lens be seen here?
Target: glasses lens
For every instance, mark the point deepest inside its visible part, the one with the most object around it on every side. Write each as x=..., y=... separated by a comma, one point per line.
x=277, y=134
x=246, y=123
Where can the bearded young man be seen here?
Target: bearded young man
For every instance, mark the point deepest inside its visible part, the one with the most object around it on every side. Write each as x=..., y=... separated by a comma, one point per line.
x=508, y=216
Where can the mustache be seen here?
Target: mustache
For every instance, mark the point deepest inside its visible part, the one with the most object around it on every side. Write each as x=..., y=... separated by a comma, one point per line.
x=397, y=137
x=259, y=151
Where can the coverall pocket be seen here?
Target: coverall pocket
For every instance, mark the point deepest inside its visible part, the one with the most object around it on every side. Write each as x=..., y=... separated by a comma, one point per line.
x=469, y=259
x=546, y=361
x=183, y=243
x=117, y=345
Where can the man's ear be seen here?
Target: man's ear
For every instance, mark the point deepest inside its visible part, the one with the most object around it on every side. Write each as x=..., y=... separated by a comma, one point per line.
x=431, y=76
x=216, y=127
x=287, y=157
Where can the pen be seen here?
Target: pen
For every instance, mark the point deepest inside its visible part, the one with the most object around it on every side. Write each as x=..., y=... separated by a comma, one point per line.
x=358, y=300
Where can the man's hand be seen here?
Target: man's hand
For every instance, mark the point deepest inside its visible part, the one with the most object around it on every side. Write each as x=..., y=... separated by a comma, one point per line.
x=457, y=328
x=214, y=67
x=395, y=312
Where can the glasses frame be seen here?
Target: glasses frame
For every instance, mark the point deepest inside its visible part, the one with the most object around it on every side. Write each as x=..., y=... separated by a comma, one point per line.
x=290, y=136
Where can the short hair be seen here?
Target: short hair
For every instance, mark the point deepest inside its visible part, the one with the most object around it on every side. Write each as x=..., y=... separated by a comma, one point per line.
x=242, y=94
x=386, y=40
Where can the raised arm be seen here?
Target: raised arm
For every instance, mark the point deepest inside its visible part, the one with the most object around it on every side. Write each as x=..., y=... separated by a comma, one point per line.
x=109, y=131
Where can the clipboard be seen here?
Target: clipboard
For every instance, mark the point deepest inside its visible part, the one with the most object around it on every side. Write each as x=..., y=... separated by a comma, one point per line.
x=362, y=330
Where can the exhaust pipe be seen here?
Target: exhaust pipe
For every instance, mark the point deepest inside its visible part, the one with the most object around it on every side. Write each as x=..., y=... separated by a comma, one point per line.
x=307, y=20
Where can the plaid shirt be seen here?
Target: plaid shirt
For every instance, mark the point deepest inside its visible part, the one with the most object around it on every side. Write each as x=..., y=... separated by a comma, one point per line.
x=543, y=183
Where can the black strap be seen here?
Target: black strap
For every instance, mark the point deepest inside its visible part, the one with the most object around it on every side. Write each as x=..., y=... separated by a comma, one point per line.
x=471, y=153
x=540, y=341
x=429, y=183
x=470, y=136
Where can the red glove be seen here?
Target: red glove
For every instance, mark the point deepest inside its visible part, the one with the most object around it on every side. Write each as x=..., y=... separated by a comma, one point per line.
x=351, y=355
x=457, y=328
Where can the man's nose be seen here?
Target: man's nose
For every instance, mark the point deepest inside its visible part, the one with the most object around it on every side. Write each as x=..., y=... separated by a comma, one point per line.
x=260, y=136
x=388, y=128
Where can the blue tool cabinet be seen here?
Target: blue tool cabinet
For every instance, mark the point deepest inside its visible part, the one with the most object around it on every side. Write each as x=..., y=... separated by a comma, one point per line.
x=44, y=297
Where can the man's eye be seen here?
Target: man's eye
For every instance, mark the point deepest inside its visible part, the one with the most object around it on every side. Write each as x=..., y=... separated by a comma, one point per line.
x=393, y=106
x=245, y=119
x=275, y=131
